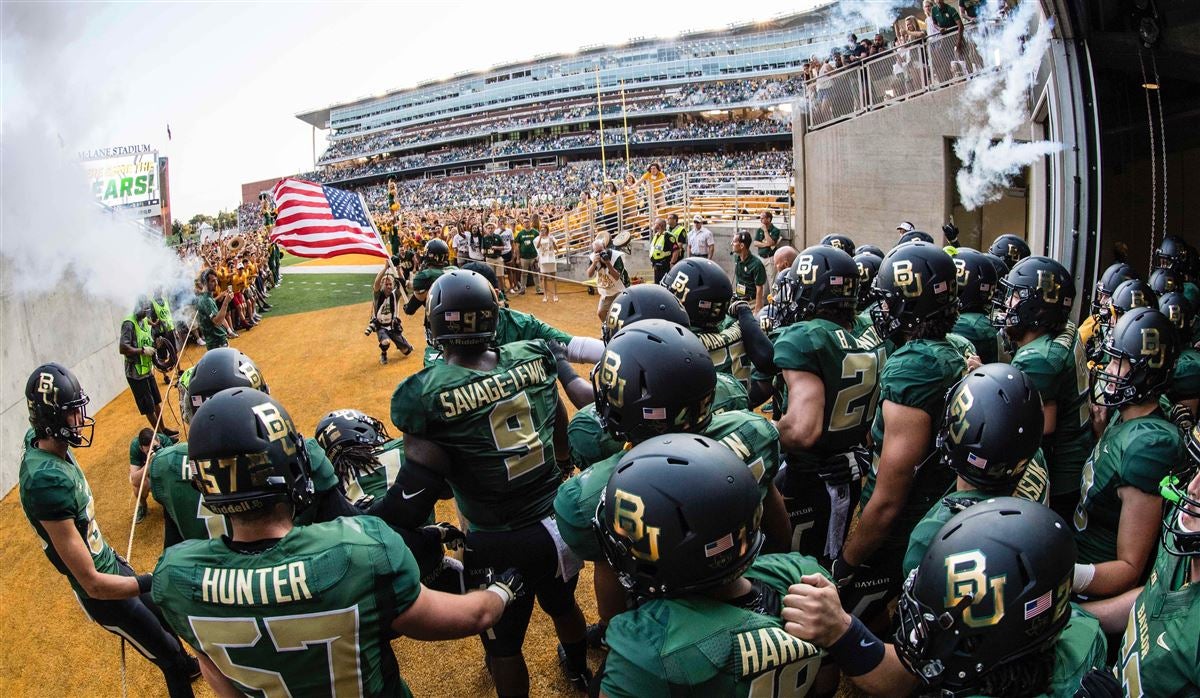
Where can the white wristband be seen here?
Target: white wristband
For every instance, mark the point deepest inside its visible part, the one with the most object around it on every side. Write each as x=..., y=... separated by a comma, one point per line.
x=1083, y=578
x=585, y=350
x=502, y=591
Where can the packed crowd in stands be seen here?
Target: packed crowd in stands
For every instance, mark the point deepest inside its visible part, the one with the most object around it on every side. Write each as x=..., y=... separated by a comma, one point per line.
x=244, y=267
x=551, y=143
x=713, y=94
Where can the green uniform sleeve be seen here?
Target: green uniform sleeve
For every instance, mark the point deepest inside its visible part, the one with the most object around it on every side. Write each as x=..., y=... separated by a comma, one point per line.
x=1081, y=647
x=206, y=307
x=730, y=394
x=135, y=452
x=799, y=349
x=1153, y=448
x=1042, y=373
x=625, y=672
x=323, y=476
x=1185, y=382
x=905, y=380
x=923, y=534
x=398, y=563
x=781, y=570
x=525, y=326
x=587, y=441
x=408, y=413
x=49, y=496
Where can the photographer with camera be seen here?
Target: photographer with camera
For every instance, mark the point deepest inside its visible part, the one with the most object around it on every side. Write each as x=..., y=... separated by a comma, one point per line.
x=608, y=267
x=385, y=318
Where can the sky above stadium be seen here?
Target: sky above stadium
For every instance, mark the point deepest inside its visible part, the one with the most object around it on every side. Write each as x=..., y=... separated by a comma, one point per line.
x=229, y=77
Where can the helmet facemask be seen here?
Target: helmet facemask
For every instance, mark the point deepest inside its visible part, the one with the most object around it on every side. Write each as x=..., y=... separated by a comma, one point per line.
x=1181, y=537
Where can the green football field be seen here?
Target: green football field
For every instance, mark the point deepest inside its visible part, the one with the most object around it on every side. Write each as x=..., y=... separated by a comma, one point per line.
x=300, y=293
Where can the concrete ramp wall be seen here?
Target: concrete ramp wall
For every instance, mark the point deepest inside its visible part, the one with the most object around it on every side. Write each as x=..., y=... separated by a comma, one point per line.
x=58, y=325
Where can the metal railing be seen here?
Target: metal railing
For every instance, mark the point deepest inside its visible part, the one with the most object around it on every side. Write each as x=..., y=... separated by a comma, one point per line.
x=894, y=75
x=724, y=196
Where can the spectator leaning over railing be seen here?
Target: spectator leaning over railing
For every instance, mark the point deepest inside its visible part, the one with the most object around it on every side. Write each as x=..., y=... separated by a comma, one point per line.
x=947, y=19
x=655, y=181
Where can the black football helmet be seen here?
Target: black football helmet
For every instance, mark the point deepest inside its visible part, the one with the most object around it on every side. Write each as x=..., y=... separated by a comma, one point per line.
x=1010, y=248
x=52, y=393
x=642, y=302
x=999, y=264
x=914, y=236
x=342, y=428
x=1131, y=294
x=976, y=280
x=992, y=426
x=822, y=277
x=1173, y=253
x=839, y=241
x=1116, y=274
x=868, y=268
x=872, y=249
x=1181, y=313
x=436, y=254
x=246, y=454
x=217, y=370
x=917, y=282
x=655, y=377
x=704, y=290
x=461, y=309
x=1149, y=343
x=680, y=514
x=1164, y=281
x=1037, y=293
x=1182, y=494
x=994, y=587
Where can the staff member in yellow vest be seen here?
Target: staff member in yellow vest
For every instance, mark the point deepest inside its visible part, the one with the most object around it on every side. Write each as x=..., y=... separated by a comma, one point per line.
x=664, y=252
x=137, y=346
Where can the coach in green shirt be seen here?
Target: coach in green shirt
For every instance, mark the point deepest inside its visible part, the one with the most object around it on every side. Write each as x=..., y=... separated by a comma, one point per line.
x=749, y=272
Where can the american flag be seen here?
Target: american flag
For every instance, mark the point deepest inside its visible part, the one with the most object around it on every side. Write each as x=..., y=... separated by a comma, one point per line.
x=719, y=545
x=1038, y=606
x=318, y=221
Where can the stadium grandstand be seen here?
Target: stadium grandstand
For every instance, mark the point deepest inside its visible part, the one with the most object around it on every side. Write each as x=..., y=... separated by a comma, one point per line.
x=712, y=108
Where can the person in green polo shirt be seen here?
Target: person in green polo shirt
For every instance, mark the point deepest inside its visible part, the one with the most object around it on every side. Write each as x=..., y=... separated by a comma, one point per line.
x=766, y=239
x=210, y=316
x=141, y=447
x=525, y=237
x=749, y=273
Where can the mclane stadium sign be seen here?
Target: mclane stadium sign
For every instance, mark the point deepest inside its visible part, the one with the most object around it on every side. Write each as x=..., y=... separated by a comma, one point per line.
x=129, y=177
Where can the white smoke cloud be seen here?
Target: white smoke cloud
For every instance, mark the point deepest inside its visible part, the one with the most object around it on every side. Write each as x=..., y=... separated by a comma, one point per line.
x=996, y=104
x=871, y=15
x=52, y=231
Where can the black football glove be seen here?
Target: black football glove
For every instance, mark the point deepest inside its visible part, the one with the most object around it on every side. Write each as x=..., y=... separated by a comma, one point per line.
x=450, y=536
x=1099, y=683
x=737, y=305
x=951, y=232
x=1183, y=418
x=843, y=572
x=558, y=349
x=508, y=583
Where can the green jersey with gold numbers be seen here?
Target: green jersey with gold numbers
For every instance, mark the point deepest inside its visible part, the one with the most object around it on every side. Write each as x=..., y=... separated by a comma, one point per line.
x=375, y=484
x=848, y=367
x=698, y=646
x=1136, y=453
x=918, y=375
x=512, y=326
x=1034, y=485
x=752, y=437
x=1160, y=653
x=977, y=329
x=308, y=616
x=54, y=489
x=497, y=426
x=1057, y=366
x=727, y=351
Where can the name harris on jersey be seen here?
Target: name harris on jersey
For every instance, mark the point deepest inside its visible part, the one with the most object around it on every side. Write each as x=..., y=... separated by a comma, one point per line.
x=480, y=393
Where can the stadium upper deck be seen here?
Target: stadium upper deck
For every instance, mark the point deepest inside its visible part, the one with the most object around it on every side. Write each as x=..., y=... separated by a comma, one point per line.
x=757, y=50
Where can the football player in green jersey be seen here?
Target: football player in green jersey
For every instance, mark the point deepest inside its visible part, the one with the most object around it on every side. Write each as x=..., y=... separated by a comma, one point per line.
x=365, y=458
x=654, y=379
x=990, y=437
x=435, y=259
x=917, y=288
x=1120, y=508
x=58, y=503
x=679, y=522
x=828, y=379
x=976, y=285
x=1032, y=312
x=1158, y=654
x=1185, y=383
x=1091, y=330
x=987, y=613
x=737, y=346
x=489, y=423
x=1010, y=248
x=297, y=610
x=1176, y=254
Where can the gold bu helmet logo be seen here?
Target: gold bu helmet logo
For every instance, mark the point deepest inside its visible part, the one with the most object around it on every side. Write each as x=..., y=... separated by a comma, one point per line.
x=863, y=274
x=966, y=578
x=961, y=272
x=907, y=280
x=610, y=380
x=960, y=404
x=628, y=519
x=806, y=273
x=1049, y=286
x=679, y=286
x=1152, y=347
